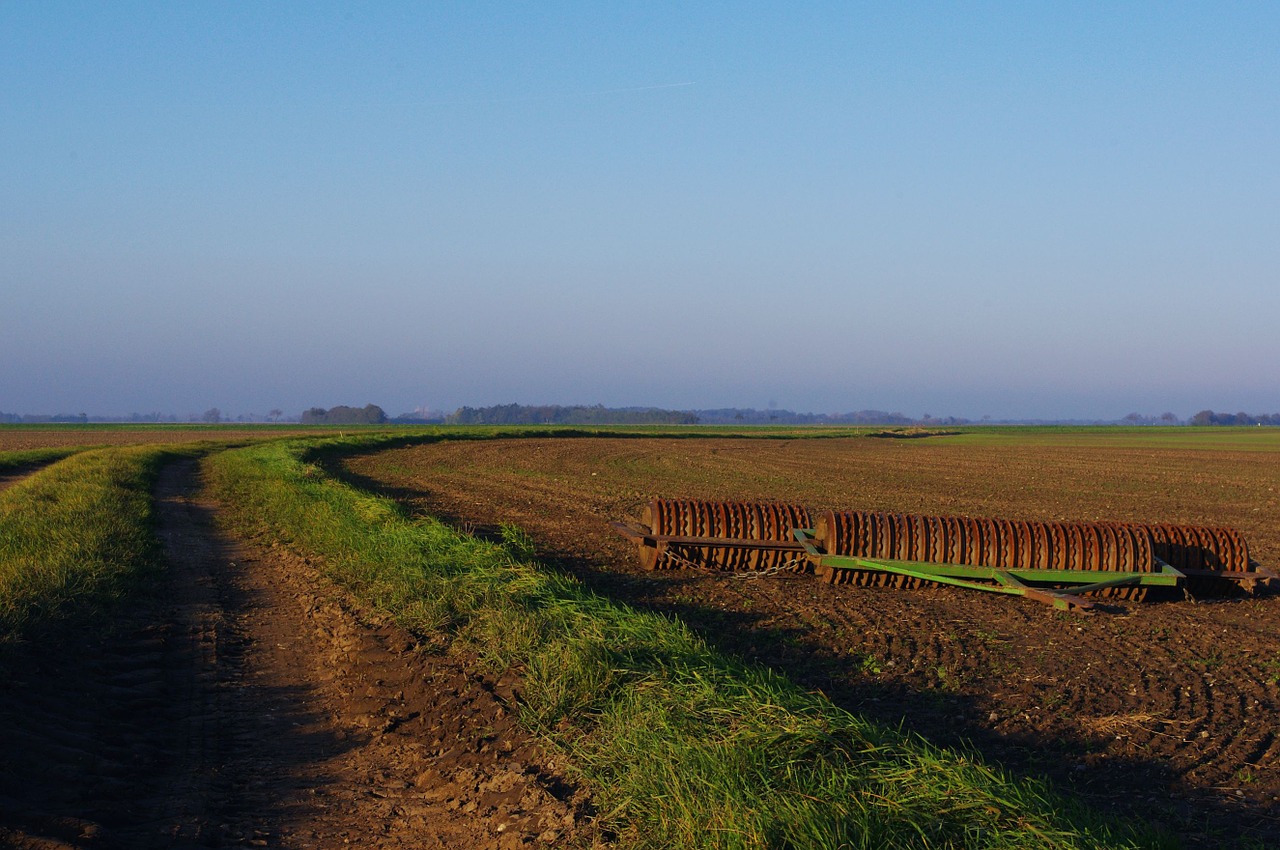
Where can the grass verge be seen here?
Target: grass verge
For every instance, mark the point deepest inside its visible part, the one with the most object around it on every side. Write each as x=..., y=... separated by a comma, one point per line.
x=76, y=536
x=682, y=746
x=19, y=460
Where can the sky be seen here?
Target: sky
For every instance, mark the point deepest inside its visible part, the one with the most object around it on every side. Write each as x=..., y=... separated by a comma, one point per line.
x=1016, y=210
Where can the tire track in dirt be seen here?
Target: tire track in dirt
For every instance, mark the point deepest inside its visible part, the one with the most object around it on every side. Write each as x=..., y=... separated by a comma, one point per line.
x=248, y=703
x=19, y=474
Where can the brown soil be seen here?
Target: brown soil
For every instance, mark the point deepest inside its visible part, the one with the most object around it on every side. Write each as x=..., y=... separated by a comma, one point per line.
x=249, y=703
x=1164, y=710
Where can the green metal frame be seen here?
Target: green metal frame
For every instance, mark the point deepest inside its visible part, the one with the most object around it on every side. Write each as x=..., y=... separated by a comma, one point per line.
x=1017, y=582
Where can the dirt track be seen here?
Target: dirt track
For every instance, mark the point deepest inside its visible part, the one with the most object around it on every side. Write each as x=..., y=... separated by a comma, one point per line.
x=10, y=477
x=1168, y=710
x=246, y=703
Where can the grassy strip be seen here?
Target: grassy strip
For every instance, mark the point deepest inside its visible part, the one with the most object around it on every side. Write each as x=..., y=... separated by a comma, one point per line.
x=683, y=746
x=12, y=461
x=76, y=536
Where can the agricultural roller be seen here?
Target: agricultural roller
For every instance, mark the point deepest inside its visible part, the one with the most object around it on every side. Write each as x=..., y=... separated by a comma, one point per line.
x=1065, y=564
x=755, y=536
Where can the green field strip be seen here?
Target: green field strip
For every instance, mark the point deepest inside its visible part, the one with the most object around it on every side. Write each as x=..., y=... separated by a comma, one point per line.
x=77, y=536
x=17, y=461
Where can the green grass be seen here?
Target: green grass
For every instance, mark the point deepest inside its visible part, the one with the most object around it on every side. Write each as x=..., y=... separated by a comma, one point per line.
x=76, y=536
x=682, y=746
x=1180, y=438
x=11, y=461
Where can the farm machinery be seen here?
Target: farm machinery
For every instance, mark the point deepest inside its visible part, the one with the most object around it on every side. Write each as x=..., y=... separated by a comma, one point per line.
x=1069, y=565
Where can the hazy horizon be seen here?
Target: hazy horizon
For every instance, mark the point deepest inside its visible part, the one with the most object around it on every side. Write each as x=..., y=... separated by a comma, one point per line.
x=1022, y=212
x=281, y=415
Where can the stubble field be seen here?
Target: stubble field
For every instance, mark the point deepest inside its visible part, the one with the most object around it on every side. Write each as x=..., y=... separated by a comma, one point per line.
x=1167, y=710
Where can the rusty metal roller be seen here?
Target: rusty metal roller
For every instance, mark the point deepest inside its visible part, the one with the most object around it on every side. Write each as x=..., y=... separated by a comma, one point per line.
x=1124, y=548
x=897, y=537
x=919, y=540
x=975, y=542
x=1071, y=556
x=1200, y=547
x=851, y=533
x=1202, y=540
x=1144, y=550
x=1191, y=547
x=954, y=544
x=998, y=548
x=933, y=545
x=1038, y=545
x=1008, y=544
x=866, y=534
x=1057, y=543
x=1223, y=550
x=1092, y=559
x=1134, y=553
x=1232, y=551
x=1171, y=547
x=729, y=520
x=1198, y=544
x=1109, y=555
x=674, y=517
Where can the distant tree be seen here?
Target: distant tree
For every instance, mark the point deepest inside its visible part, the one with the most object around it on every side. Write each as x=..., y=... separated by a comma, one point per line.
x=1168, y=419
x=370, y=414
x=554, y=414
x=274, y=414
x=213, y=415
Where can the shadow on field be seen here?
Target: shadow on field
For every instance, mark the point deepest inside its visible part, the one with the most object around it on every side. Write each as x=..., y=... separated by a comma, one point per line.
x=11, y=475
x=138, y=727
x=936, y=709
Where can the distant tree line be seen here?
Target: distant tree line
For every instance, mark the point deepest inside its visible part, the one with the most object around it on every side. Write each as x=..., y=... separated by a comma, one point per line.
x=1142, y=419
x=1208, y=417
x=554, y=414
x=773, y=416
x=38, y=419
x=1204, y=417
x=370, y=414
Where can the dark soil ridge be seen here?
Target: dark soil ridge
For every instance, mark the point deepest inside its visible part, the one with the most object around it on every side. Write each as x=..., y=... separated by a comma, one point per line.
x=248, y=703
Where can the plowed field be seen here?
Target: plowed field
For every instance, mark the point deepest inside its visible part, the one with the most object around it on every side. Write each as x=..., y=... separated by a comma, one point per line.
x=1168, y=710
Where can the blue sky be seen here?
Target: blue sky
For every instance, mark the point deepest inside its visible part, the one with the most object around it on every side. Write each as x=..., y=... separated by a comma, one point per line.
x=1036, y=210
